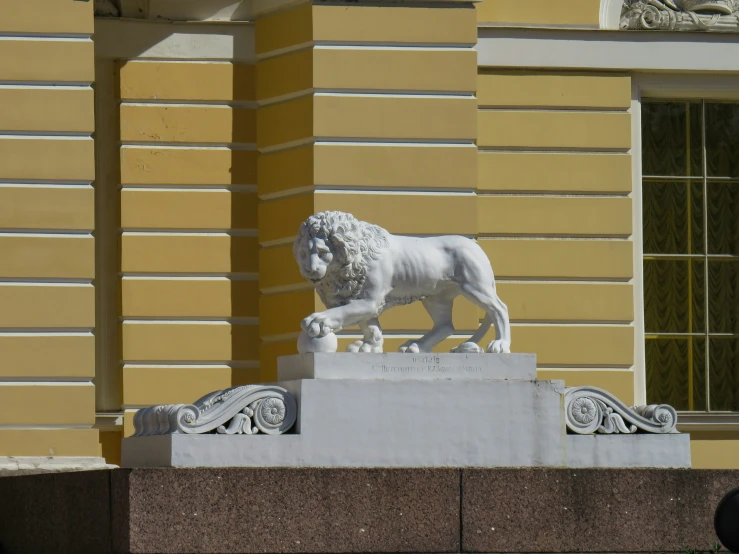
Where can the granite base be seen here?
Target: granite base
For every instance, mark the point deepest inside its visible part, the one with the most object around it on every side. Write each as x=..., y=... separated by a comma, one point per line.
x=238, y=510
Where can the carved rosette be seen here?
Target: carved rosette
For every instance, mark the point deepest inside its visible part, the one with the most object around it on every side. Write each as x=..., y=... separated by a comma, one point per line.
x=680, y=15
x=246, y=410
x=589, y=410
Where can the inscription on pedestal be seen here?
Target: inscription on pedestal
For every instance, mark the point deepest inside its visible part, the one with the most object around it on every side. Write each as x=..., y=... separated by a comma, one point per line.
x=398, y=367
x=428, y=365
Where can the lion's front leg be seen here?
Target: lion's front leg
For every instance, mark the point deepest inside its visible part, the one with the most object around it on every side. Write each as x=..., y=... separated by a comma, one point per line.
x=334, y=320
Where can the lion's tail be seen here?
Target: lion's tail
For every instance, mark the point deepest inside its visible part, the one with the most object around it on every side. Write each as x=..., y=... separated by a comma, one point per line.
x=482, y=331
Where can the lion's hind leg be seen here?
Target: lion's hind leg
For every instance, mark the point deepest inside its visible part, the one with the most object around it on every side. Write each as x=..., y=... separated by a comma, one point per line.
x=439, y=308
x=496, y=312
x=371, y=341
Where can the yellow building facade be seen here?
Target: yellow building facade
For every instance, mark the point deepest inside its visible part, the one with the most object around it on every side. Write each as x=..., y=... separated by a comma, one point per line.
x=159, y=158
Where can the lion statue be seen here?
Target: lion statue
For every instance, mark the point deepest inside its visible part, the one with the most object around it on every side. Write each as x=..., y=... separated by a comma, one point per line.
x=360, y=270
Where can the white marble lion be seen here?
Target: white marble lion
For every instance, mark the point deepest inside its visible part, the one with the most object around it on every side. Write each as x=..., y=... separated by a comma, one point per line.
x=360, y=270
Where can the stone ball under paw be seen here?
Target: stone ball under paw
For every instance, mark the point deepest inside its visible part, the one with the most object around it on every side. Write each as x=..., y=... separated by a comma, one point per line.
x=308, y=344
x=468, y=348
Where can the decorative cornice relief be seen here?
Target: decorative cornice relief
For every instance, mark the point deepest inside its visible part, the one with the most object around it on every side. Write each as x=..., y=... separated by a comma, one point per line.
x=589, y=410
x=680, y=15
x=245, y=410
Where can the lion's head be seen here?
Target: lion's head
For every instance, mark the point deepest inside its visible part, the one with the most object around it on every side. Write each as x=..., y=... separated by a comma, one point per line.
x=333, y=250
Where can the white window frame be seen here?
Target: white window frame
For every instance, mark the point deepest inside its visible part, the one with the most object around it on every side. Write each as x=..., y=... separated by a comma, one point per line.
x=667, y=87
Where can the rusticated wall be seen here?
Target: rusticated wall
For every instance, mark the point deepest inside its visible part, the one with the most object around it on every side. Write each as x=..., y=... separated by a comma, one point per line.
x=47, y=215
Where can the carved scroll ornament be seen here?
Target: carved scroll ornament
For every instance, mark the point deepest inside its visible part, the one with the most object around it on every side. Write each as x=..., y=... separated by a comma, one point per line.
x=680, y=15
x=246, y=410
x=589, y=410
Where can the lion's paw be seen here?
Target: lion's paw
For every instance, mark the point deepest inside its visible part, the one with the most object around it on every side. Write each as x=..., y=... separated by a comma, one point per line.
x=320, y=325
x=499, y=347
x=361, y=346
x=410, y=347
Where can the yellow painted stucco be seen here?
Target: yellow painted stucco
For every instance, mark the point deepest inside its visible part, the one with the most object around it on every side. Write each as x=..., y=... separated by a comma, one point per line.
x=519, y=215
x=554, y=172
x=619, y=382
x=146, y=385
x=189, y=341
x=375, y=166
x=46, y=110
x=47, y=208
x=367, y=117
x=46, y=60
x=278, y=268
x=371, y=25
x=183, y=80
x=51, y=356
x=607, y=302
x=606, y=345
x=714, y=449
x=47, y=214
x=514, y=90
x=213, y=253
x=47, y=256
x=552, y=129
x=47, y=306
x=367, y=70
x=187, y=166
x=44, y=16
x=539, y=13
x=560, y=259
x=110, y=446
x=183, y=124
x=188, y=209
x=49, y=442
x=52, y=404
x=47, y=159
x=451, y=214
x=190, y=297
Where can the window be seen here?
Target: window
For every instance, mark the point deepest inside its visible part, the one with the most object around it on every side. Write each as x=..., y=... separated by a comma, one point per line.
x=690, y=164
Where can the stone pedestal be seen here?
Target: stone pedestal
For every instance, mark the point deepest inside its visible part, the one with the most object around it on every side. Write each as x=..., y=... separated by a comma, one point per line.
x=401, y=410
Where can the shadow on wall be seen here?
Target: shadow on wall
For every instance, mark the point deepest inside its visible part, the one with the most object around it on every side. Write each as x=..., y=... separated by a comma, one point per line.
x=118, y=42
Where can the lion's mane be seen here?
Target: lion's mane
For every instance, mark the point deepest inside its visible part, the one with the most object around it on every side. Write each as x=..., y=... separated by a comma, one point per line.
x=353, y=243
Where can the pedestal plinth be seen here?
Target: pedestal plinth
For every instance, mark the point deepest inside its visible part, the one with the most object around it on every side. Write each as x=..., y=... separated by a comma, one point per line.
x=405, y=410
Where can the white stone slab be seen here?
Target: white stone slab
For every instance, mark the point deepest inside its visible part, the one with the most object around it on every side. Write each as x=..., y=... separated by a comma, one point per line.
x=396, y=366
x=380, y=423
x=592, y=451
x=624, y=451
x=352, y=414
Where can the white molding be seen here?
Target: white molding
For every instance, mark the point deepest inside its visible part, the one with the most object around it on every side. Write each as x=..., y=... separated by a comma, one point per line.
x=188, y=10
x=609, y=50
x=640, y=372
x=610, y=14
x=692, y=421
x=165, y=40
x=228, y=10
x=714, y=87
